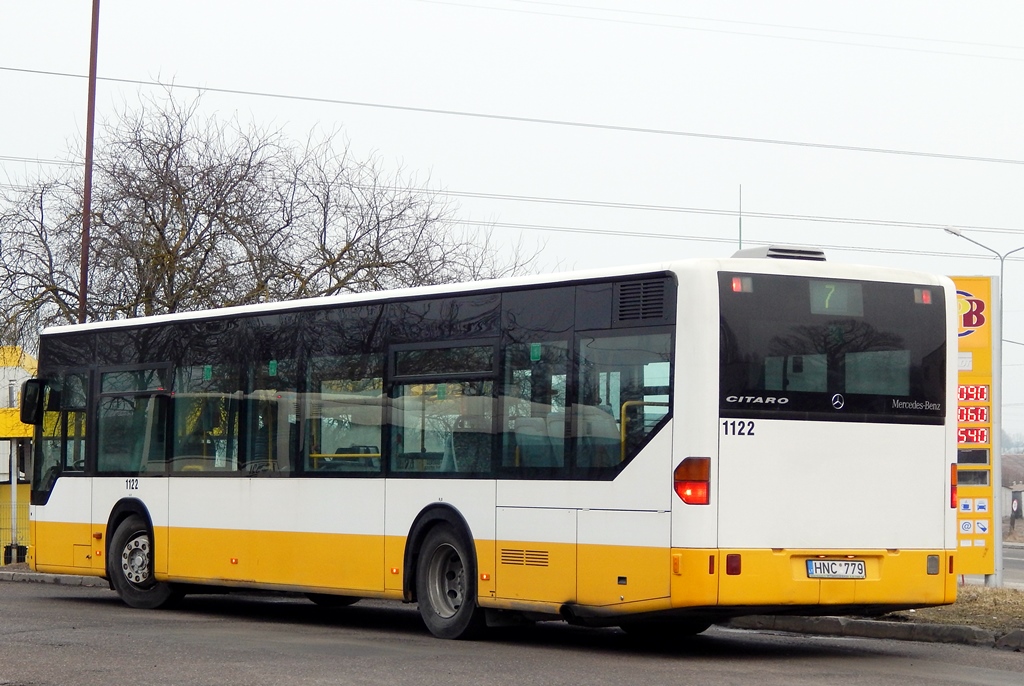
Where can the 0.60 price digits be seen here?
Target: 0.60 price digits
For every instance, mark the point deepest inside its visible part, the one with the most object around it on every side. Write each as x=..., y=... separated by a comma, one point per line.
x=967, y=414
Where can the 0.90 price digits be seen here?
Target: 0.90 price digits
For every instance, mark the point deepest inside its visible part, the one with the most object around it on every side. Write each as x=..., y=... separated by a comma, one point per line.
x=971, y=413
x=973, y=392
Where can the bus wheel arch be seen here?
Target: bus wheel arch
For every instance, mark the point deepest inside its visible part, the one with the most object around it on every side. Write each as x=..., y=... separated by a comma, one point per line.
x=441, y=565
x=130, y=558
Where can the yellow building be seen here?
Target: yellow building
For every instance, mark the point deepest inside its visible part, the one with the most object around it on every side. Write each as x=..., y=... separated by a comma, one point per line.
x=15, y=440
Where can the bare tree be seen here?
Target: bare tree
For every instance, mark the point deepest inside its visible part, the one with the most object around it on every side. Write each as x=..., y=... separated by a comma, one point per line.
x=194, y=213
x=359, y=229
x=38, y=266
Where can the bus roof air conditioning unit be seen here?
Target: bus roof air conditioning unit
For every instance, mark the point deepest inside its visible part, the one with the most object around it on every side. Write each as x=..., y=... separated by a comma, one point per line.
x=776, y=252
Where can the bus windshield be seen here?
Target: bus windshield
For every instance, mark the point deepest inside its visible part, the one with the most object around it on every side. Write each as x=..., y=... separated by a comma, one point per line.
x=828, y=349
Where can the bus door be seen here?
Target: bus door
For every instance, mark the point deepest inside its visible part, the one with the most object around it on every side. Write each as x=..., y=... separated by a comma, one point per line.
x=60, y=535
x=132, y=418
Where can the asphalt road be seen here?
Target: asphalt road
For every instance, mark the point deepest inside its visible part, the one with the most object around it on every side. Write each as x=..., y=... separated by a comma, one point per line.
x=1013, y=567
x=1013, y=564
x=52, y=634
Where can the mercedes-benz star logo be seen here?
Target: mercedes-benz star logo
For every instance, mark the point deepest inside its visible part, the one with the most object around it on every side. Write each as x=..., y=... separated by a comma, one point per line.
x=838, y=401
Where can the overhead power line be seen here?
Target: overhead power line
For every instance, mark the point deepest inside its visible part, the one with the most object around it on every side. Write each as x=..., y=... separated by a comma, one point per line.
x=751, y=34
x=712, y=239
x=36, y=160
x=641, y=207
x=537, y=120
x=729, y=213
x=789, y=27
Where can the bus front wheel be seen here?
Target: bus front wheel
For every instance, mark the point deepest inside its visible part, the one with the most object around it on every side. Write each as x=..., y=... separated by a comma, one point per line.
x=446, y=586
x=130, y=567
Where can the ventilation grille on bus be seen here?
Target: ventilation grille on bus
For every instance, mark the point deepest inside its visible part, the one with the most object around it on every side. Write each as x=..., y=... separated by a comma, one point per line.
x=640, y=301
x=524, y=558
x=781, y=253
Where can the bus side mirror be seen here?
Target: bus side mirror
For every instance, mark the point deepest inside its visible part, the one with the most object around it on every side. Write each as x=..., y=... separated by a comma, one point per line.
x=32, y=402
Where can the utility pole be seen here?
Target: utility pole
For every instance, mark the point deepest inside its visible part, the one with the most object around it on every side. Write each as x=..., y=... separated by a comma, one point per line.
x=11, y=400
x=90, y=126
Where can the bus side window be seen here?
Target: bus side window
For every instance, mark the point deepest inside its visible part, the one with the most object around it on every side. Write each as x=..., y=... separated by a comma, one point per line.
x=62, y=447
x=344, y=414
x=207, y=408
x=624, y=392
x=273, y=432
x=533, y=405
x=132, y=433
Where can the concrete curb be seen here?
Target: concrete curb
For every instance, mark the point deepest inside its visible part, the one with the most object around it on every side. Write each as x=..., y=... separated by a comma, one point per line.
x=822, y=626
x=59, y=579
x=869, y=628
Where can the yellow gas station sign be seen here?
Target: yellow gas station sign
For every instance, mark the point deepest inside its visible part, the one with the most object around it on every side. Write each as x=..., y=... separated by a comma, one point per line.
x=977, y=506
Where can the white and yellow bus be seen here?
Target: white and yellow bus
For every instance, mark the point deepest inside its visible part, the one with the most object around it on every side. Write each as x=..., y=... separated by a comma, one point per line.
x=656, y=448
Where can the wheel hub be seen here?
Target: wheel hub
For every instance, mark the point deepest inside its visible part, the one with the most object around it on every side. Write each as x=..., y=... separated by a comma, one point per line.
x=135, y=559
x=446, y=581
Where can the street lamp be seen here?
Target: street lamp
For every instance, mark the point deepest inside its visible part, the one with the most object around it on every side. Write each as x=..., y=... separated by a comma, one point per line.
x=997, y=412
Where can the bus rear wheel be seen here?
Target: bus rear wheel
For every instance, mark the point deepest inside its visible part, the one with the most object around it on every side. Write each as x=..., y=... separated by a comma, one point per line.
x=446, y=586
x=130, y=567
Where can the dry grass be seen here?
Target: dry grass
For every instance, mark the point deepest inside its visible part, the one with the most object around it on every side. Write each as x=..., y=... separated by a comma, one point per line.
x=995, y=609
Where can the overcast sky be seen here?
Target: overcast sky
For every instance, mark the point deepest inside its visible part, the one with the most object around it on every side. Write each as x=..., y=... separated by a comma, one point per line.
x=617, y=131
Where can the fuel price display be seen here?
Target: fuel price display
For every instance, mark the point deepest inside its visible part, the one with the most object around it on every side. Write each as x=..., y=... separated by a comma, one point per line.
x=972, y=414
x=973, y=392
x=977, y=434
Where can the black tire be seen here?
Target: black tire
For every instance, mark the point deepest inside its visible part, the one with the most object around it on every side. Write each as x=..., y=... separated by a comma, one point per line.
x=130, y=567
x=330, y=600
x=446, y=585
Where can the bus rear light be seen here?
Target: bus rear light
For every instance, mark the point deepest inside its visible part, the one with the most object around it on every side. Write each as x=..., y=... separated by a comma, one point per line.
x=692, y=492
x=733, y=564
x=953, y=500
x=692, y=480
x=742, y=284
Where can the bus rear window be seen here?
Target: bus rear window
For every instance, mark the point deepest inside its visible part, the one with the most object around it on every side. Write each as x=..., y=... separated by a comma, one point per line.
x=802, y=348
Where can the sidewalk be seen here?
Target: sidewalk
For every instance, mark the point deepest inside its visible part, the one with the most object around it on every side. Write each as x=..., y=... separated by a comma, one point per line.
x=870, y=628
x=821, y=626
x=21, y=573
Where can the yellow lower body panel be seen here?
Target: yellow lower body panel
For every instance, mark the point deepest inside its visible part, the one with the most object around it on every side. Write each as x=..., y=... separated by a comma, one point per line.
x=780, y=577
x=694, y=578
x=284, y=559
x=67, y=549
x=547, y=578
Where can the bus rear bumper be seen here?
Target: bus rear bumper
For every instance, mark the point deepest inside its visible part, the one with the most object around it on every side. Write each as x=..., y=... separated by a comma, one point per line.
x=822, y=580
x=718, y=584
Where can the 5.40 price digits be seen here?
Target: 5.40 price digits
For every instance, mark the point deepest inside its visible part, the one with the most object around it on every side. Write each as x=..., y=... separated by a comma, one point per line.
x=978, y=434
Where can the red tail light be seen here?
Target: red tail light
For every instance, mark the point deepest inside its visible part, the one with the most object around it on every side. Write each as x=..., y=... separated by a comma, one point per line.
x=953, y=500
x=692, y=480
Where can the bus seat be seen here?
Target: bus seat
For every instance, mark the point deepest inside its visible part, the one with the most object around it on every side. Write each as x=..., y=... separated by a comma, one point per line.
x=471, y=444
x=556, y=436
x=533, y=442
x=600, y=440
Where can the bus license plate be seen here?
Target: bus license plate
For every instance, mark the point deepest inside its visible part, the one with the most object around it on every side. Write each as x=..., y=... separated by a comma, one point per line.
x=836, y=569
